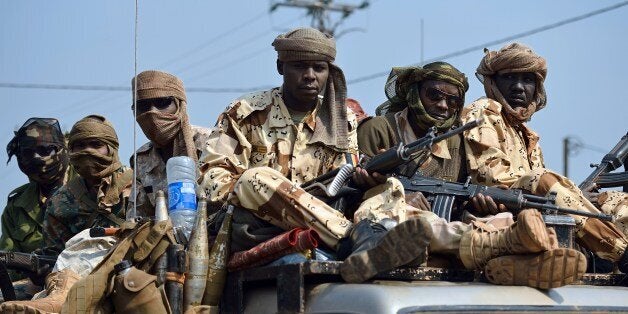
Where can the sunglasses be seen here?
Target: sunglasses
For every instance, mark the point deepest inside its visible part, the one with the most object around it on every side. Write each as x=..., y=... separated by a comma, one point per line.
x=436, y=95
x=160, y=104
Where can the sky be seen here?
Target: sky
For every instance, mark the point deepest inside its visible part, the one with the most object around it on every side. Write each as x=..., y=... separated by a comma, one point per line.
x=227, y=45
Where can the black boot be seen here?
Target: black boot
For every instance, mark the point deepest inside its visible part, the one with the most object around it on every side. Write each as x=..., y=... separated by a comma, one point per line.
x=376, y=249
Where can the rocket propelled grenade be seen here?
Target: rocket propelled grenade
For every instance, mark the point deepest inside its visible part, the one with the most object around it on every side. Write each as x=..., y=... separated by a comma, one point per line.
x=218, y=257
x=198, y=257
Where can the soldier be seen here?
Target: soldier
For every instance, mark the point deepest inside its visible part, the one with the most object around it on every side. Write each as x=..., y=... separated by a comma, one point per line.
x=162, y=115
x=266, y=144
x=99, y=197
x=42, y=155
x=505, y=151
x=433, y=96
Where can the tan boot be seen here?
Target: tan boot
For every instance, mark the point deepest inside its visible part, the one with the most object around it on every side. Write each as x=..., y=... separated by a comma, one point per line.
x=551, y=269
x=57, y=286
x=483, y=243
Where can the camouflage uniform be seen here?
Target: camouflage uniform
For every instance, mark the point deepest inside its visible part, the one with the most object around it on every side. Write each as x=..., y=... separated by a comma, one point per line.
x=151, y=172
x=260, y=154
x=499, y=153
x=615, y=203
x=74, y=207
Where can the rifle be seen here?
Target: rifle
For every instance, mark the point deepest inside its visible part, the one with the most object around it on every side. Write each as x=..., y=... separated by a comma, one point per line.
x=444, y=195
x=38, y=265
x=386, y=162
x=600, y=177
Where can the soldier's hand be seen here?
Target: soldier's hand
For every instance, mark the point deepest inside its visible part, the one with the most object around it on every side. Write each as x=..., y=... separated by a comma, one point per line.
x=485, y=205
x=364, y=180
x=418, y=200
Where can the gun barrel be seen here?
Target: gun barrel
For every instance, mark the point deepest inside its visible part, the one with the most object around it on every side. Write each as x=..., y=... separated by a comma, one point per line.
x=600, y=216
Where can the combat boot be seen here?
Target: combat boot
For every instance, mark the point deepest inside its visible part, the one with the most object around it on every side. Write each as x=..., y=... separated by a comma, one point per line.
x=377, y=249
x=546, y=270
x=57, y=286
x=484, y=242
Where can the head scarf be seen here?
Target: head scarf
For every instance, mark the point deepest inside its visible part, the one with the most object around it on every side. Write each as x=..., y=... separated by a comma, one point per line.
x=403, y=86
x=514, y=57
x=164, y=128
x=89, y=164
x=40, y=132
x=308, y=44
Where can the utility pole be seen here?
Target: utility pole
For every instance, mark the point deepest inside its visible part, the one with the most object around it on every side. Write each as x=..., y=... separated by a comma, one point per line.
x=320, y=10
x=566, y=152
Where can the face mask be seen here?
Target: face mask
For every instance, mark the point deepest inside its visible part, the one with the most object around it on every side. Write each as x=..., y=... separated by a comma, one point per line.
x=159, y=127
x=45, y=170
x=91, y=165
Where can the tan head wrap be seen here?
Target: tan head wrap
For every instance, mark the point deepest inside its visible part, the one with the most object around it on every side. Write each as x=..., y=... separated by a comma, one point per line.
x=308, y=44
x=90, y=164
x=163, y=128
x=514, y=57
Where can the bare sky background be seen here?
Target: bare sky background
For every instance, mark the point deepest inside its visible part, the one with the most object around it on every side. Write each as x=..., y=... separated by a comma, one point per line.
x=227, y=44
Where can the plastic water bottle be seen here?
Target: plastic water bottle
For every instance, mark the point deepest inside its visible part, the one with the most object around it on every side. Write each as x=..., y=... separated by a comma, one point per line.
x=181, y=175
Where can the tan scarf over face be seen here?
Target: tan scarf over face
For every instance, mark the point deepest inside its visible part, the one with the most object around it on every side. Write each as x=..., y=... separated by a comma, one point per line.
x=163, y=128
x=514, y=57
x=308, y=44
x=90, y=164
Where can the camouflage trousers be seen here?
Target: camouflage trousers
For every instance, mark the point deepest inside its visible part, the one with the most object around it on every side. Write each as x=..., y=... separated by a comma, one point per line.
x=388, y=201
x=615, y=203
x=272, y=197
x=601, y=237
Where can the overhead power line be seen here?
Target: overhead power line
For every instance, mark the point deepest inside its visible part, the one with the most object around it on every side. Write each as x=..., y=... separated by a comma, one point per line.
x=126, y=89
x=356, y=80
x=499, y=41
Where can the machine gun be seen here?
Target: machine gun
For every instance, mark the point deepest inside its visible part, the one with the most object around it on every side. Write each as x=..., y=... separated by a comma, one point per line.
x=332, y=183
x=444, y=195
x=37, y=265
x=601, y=176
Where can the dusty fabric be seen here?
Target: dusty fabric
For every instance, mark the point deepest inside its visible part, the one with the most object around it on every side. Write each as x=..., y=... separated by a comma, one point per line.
x=91, y=164
x=257, y=131
x=151, y=172
x=514, y=57
x=444, y=161
x=385, y=201
x=308, y=44
x=403, y=85
x=295, y=240
x=157, y=84
x=499, y=153
x=74, y=208
x=163, y=128
x=82, y=253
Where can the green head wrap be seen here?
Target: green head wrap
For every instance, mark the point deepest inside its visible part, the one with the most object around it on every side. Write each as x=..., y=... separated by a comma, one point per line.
x=403, y=85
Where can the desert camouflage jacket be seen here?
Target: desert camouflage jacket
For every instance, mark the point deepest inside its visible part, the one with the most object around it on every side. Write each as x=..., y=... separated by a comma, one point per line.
x=151, y=172
x=256, y=130
x=497, y=152
x=74, y=208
